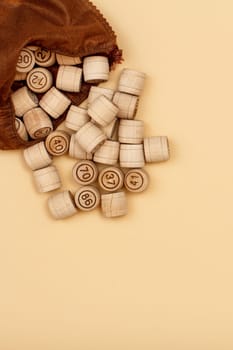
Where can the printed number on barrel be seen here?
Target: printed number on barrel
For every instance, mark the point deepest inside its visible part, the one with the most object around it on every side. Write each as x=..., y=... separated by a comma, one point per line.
x=24, y=59
x=111, y=179
x=42, y=54
x=87, y=199
x=85, y=172
x=58, y=145
x=37, y=80
x=134, y=180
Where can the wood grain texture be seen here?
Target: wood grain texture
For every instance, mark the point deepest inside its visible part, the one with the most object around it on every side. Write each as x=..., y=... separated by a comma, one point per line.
x=85, y=172
x=111, y=179
x=111, y=130
x=57, y=143
x=132, y=156
x=127, y=104
x=76, y=118
x=69, y=78
x=87, y=198
x=76, y=151
x=47, y=179
x=108, y=153
x=95, y=69
x=102, y=111
x=136, y=180
x=131, y=82
x=156, y=149
x=23, y=100
x=54, y=102
x=21, y=130
x=114, y=204
x=68, y=60
x=90, y=137
x=37, y=123
x=37, y=157
x=61, y=205
x=97, y=91
x=39, y=80
x=131, y=131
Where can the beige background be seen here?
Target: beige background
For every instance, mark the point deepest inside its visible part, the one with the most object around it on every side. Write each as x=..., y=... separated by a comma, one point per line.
x=160, y=278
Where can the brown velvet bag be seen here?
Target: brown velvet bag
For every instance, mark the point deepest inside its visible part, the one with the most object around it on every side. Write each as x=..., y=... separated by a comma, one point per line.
x=68, y=27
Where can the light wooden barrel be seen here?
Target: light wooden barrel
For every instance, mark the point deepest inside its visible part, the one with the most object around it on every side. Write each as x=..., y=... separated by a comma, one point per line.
x=90, y=137
x=62, y=205
x=131, y=82
x=132, y=156
x=114, y=204
x=47, y=179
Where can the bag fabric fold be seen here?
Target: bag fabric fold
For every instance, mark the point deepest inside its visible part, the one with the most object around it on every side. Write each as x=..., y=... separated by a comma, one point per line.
x=68, y=27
